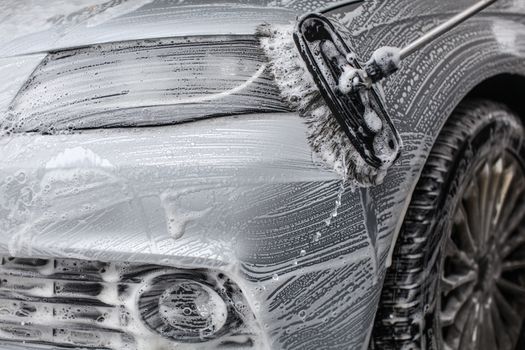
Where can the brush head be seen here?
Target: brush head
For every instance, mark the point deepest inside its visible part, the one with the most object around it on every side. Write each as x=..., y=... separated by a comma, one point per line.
x=358, y=142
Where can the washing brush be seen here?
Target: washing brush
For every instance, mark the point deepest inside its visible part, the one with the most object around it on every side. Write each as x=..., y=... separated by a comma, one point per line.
x=320, y=76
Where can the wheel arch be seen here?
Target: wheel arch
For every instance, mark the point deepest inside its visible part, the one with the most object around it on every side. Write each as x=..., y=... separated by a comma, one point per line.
x=504, y=88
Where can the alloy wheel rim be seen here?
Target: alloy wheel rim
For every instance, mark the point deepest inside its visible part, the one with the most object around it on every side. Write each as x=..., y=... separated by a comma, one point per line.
x=482, y=285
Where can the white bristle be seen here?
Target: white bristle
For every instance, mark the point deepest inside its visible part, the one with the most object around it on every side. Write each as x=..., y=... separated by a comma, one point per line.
x=325, y=135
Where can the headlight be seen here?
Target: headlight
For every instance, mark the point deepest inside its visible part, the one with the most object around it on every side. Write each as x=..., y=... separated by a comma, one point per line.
x=188, y=308
x=145, y=82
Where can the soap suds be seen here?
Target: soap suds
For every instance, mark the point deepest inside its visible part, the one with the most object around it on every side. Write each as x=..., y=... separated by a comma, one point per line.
x=77, y=157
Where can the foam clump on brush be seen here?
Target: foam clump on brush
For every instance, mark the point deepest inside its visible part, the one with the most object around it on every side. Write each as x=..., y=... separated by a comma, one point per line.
x=298, y=89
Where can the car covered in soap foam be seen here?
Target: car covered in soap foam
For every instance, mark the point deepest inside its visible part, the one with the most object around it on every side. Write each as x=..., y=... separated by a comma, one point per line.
x=158, y=192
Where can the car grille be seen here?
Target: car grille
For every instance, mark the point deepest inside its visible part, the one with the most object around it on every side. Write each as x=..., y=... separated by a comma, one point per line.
x=66, y=302
x=69, y=303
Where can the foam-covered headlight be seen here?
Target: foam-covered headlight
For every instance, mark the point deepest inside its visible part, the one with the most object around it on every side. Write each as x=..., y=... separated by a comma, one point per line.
x=192, y=309
x=187, y=307
x=145, y=82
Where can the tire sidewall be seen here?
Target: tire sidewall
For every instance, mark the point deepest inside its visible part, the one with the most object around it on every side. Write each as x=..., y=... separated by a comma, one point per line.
x=493, y=133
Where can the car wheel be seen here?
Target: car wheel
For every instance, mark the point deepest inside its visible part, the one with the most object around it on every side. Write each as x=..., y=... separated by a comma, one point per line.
x=457, y=280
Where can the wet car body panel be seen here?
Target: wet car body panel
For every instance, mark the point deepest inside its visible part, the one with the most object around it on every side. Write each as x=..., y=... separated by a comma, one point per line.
x=245, y=194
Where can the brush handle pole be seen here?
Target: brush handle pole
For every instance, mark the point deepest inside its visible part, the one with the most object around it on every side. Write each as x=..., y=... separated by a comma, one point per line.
x=444, y=27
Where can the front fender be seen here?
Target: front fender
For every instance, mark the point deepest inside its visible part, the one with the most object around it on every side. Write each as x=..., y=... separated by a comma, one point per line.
x=431, y=82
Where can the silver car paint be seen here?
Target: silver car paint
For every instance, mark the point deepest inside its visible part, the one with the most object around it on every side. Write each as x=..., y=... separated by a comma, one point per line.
x=244, y=193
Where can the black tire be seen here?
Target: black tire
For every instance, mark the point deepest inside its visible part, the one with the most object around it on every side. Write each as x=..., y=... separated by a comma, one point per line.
x=413, y=297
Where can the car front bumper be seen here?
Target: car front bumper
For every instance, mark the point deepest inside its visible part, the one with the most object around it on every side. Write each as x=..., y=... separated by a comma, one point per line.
x=243, y=196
